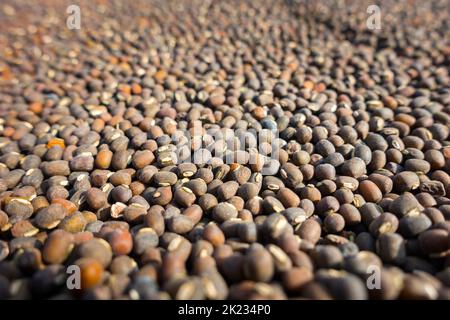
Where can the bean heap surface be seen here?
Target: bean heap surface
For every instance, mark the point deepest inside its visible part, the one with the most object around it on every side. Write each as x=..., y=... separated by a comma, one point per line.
x=224, y=150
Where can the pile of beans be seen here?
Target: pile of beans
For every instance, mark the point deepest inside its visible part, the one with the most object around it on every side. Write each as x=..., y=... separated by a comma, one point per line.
x=109, y=166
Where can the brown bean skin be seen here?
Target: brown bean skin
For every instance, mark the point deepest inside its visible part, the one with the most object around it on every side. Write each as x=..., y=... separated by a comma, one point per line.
x=309, y=230
x=370, y=191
